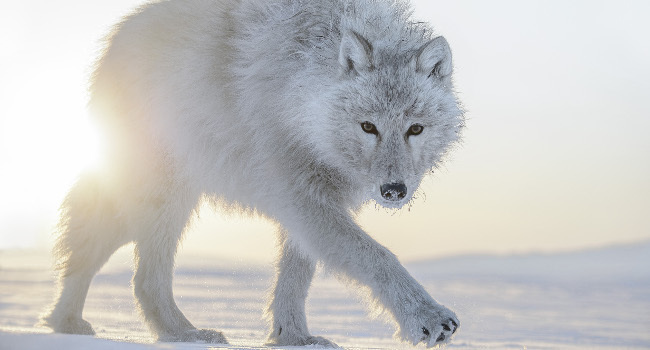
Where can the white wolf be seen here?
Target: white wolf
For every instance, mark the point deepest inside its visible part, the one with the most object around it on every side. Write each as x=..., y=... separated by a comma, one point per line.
x=298, y=110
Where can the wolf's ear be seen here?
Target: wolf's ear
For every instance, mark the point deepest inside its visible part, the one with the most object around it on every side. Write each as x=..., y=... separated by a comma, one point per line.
x=355, y=55
x=434, y=58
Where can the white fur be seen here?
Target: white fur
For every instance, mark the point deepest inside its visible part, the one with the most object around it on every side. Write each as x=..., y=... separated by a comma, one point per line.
x=257, y=105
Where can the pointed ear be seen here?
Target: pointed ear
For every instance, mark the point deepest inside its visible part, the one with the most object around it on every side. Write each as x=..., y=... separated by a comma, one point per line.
x=434, y=58
x=355, y=54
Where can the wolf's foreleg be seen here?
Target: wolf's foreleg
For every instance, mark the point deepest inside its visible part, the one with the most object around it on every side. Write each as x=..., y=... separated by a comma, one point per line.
x=286, y=310
x=333, y=237
x=155, y=252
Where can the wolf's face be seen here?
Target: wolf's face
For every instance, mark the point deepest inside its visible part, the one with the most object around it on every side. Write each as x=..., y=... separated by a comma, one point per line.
x=396, y=115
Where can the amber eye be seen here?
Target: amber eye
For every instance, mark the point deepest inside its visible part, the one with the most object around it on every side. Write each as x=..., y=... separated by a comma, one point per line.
x=370, y=128
x=415, y=129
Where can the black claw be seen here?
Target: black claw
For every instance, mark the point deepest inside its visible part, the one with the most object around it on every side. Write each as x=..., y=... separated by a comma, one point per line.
x=455, y=326
x=425, y=331
x=445, y=327
x=440, y=338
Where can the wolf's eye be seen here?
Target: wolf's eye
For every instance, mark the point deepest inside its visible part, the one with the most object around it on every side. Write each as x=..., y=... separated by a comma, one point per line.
x=415, y=129
x=370, y=128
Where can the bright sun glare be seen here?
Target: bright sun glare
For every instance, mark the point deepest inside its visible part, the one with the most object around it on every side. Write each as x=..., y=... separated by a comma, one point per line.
x=47, y=140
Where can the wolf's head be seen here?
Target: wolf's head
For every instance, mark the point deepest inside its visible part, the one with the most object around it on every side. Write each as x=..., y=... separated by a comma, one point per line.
x=394, y=114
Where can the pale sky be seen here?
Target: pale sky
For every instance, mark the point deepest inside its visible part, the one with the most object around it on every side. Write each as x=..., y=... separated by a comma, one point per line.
x=555, y=157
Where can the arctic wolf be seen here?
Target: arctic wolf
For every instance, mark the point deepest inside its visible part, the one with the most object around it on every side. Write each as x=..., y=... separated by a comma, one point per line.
x=301, y=111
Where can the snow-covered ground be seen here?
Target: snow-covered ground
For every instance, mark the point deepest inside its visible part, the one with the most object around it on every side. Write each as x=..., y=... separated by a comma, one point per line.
x=598, y=299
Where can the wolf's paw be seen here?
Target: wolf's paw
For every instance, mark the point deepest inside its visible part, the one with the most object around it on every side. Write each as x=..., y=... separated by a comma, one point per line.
x=300, y=340
x=432, y=326
x=195, y=336
x=68, y=325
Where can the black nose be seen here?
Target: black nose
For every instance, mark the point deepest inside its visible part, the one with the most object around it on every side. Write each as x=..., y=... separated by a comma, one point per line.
x=393, y=192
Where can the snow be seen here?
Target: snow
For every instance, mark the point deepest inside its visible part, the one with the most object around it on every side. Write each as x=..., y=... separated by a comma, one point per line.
x=598, y=299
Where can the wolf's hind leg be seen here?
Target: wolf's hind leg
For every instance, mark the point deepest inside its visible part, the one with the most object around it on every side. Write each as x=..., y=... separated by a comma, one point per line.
x=154, y=255
x=89, y=234
x=286, y=310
